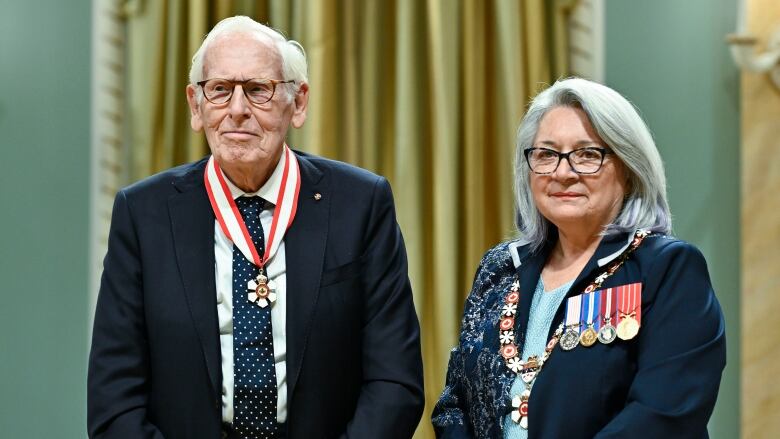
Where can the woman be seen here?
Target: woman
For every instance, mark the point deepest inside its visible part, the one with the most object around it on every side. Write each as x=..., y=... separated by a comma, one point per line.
x=596, y=323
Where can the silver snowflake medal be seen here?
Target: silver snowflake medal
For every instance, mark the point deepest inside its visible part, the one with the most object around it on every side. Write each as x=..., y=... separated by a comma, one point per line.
x=261, y=290
x=514, y=364
x=520, y=408
x=506, y=337
x=509, y=310
x=570, y=339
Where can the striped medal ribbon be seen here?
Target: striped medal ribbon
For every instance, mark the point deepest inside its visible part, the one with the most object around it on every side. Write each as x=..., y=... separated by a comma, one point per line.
x=629, y=310
x=571, y=335
x=590, y=305
x=607, y=332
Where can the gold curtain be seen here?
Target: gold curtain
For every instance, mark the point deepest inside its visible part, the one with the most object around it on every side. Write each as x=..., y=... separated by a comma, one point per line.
x=427, y=93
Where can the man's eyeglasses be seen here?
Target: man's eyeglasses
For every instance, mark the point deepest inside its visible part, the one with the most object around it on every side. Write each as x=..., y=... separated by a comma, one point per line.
x=582, y=160
x=258, y=91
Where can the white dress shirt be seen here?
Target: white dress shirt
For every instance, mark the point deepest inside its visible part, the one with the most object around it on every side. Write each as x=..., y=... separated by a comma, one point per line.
x=276, y=271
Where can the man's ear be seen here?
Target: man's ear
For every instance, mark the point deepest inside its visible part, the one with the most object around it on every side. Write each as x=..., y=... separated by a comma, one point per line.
x=195, y=120
x=301, y=101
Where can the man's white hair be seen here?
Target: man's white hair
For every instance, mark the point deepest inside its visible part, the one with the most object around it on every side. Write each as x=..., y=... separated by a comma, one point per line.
x=290, y=51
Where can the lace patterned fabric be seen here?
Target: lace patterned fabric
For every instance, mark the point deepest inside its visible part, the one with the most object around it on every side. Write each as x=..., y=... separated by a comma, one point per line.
x=484, y=397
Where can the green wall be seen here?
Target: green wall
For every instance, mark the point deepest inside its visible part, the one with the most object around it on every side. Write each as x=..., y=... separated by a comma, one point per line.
x=669, y=58
x=44, y=172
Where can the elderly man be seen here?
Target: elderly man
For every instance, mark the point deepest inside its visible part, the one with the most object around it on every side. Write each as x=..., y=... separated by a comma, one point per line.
x=260, y=292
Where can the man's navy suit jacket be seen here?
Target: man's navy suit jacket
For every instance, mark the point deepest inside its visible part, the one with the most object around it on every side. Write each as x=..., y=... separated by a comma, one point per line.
x=354, y=367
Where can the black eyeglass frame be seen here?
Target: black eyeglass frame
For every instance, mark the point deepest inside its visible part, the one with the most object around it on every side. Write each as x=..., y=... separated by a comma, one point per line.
x=565, y=155
x=274, y=83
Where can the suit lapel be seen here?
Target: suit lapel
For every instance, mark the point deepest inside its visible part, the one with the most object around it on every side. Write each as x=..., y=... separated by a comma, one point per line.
x=304, y=255
x=192, y=222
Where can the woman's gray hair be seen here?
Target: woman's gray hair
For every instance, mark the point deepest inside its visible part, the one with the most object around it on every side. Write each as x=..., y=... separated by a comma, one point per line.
x=625, y=133
x=291, y=52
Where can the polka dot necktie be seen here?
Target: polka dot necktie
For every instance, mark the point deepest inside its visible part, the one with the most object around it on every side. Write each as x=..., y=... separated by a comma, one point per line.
x=254, y=396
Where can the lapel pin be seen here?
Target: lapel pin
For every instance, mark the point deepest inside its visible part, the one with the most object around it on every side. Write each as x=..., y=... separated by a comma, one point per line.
x=317, y=196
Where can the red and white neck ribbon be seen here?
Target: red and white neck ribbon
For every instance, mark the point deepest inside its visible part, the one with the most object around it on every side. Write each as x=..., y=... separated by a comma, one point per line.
x=229, y=217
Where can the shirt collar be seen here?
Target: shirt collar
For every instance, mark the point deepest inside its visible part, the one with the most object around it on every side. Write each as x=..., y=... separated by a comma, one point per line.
x=516, y=249
x=269, y=191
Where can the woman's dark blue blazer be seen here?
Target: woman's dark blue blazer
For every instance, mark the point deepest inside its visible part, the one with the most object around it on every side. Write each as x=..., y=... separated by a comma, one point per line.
x=661, y=384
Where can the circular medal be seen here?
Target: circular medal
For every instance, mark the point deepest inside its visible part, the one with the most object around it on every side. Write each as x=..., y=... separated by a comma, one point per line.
x=627, y=328
x=507, y=323
x=509, y=350
x=588, y=337
x=569, y=339
x=607, y=334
